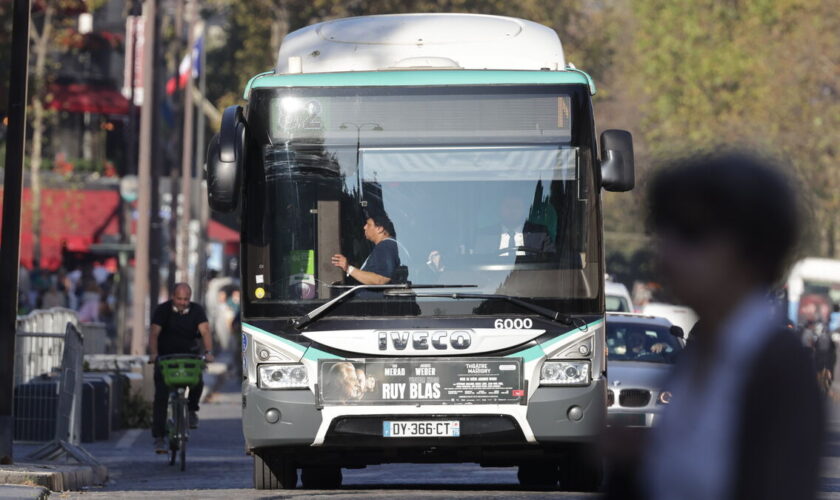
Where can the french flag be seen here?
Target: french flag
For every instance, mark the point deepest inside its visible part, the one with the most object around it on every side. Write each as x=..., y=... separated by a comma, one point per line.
x=180, y=81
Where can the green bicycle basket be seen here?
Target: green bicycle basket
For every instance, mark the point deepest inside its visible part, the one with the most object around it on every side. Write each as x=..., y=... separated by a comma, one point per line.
x=181, y=372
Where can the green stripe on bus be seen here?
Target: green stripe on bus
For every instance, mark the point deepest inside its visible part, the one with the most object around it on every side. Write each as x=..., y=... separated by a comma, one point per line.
x=536, y=352
x=420, y=78
x=287, y=342
x=553, y=341
x=316, y=354
x=529, y=354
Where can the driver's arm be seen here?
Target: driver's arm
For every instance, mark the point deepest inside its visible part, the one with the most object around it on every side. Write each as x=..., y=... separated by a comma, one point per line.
x=368, y=278
x=381, y=264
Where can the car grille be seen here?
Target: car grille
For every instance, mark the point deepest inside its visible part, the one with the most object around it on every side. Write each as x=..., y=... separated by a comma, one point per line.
x=610, y=398
x=634, y=398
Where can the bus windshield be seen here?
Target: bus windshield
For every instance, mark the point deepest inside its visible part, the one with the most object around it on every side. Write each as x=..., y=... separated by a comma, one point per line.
x=483, y=186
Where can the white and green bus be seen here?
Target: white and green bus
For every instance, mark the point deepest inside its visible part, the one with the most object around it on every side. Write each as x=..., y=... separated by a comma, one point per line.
x=464, y=144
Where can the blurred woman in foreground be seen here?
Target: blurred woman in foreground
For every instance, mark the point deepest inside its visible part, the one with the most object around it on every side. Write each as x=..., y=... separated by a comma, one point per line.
x=746, y=420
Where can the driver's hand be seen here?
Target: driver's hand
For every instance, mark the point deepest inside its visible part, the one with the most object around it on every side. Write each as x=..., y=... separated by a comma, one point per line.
x=657, y=348
x=340, y=261
x=209, y=358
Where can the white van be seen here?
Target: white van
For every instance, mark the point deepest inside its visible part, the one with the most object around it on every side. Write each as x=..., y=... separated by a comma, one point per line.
x=682, y=316
x=617, y=298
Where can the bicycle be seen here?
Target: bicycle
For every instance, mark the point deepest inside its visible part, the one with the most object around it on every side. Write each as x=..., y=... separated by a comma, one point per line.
x=179, y=372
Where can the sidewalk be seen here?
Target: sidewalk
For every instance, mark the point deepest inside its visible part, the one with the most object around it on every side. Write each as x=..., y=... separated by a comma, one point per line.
x=36, y=480
x=830, y=481
x=15, y=492
x=50, y=476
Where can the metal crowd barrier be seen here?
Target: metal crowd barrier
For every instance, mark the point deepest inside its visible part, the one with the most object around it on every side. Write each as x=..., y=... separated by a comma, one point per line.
x=38, y=355
x=40, y=342
x=48, y=320
x=68, y=417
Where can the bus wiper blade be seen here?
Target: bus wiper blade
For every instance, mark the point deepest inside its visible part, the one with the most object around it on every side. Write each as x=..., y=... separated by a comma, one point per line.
x=319, y=311
x=524, y=304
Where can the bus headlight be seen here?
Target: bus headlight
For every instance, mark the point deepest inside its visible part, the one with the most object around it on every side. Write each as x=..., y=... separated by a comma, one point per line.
x=564, y=373
x=288, y=376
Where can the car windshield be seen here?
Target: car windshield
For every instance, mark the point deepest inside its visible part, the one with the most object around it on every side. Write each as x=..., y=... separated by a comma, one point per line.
x=646, y=342
x=477, y=186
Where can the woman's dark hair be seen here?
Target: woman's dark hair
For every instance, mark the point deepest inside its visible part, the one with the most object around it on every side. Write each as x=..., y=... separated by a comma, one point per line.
x=381, y=219
x=735, y=195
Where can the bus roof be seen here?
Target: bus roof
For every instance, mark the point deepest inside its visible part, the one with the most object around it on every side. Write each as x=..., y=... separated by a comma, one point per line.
x=420, y=41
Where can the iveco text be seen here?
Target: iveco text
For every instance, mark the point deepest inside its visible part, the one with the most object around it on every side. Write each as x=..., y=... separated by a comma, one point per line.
x=441, y=340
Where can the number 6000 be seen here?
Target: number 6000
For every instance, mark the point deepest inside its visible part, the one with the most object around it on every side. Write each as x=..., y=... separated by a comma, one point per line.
x=513, y=324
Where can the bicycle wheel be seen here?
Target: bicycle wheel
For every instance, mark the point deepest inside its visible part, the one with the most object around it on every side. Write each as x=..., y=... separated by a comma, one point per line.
x=172, y=428
x=183, y=455
x=183, y=425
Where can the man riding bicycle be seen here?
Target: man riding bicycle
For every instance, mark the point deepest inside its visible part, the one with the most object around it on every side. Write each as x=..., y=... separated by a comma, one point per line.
x=177, y=327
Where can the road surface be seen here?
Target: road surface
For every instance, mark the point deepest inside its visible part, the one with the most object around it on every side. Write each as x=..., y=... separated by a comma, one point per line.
x=218, y=468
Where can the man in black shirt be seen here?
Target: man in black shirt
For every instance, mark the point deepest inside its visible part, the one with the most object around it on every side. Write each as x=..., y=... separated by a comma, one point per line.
x=379, y=267
x=177, y=327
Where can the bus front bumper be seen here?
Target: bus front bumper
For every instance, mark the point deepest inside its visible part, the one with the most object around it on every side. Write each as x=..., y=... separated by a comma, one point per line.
x=553, y=416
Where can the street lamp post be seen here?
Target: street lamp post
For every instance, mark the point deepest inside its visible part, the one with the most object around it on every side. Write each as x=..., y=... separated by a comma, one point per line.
x=10, y=238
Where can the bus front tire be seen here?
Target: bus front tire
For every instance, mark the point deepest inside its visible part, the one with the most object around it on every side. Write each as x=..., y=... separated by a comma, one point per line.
x=273, y=471
x=321, y=478
x=581, y=474
x=540, y=476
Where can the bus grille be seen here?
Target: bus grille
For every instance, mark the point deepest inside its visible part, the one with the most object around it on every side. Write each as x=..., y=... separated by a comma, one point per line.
x=634, y=398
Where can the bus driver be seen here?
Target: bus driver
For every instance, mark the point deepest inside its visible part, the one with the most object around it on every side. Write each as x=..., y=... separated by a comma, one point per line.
x=379, y=267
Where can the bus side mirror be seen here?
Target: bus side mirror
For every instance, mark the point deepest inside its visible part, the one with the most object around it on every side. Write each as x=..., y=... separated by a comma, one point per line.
x=677, y=332
x=617, y=170
x=226, y=161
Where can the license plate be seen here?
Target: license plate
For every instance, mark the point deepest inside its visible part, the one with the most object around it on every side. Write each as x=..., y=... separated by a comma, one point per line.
x=627, y=419
x=420, y=428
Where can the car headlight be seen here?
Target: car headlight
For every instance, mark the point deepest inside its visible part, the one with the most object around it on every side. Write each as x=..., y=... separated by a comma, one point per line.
x=287, y=376
x=564, y=373
x=664, y=397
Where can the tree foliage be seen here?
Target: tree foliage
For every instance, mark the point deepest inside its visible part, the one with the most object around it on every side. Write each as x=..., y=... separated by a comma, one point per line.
x=255, y=29
x=761, y=73
x=682, y=76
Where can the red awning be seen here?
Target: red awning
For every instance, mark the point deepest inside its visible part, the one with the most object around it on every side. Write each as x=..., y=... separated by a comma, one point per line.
x=217, y=231
x=71, y=219
x=84, y=98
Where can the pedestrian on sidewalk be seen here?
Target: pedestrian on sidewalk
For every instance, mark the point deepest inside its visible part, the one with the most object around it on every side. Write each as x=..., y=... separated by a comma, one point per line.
x=746, y=419
x=179, y=326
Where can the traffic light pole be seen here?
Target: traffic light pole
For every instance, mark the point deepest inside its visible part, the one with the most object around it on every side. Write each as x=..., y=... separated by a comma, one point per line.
x=10, y=237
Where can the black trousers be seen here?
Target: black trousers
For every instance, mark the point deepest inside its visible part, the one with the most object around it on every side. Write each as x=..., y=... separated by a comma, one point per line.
x=162, y=398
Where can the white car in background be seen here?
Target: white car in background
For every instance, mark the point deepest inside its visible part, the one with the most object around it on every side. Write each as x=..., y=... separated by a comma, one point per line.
x=640, y=353
x=617, y=297
x=682, y=316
